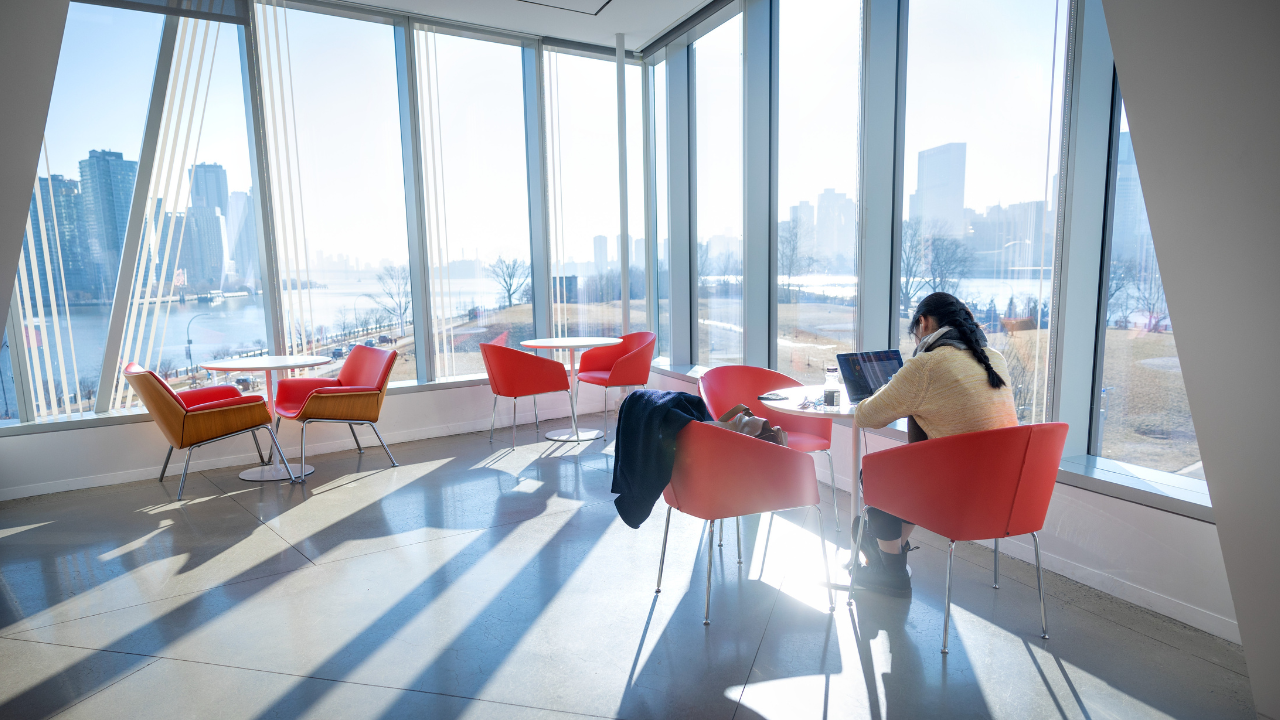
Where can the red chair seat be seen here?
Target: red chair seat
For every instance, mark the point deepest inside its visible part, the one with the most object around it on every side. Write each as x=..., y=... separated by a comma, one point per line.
x=594, y=377
x=292, y=393
x=806, y=443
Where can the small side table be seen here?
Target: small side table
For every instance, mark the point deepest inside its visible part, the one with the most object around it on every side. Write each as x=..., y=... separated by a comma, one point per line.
x=572, y=344
x=269, y=364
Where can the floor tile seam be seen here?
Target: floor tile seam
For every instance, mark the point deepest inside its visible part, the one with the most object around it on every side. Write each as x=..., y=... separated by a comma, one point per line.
x=156, y=600
x=459, y=534
x=1102, y=617
x=106, y=687
x=260, y=521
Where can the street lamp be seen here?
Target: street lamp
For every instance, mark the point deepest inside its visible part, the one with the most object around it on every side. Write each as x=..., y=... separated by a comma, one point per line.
x=193, y=319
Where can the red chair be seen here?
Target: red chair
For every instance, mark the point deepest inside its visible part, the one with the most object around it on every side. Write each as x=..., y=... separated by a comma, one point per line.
x=517, y=374
x=977, y=486
x=192, y=418
x=621, y=365
x=354, y=397
x=720, y=474
x=725, y=387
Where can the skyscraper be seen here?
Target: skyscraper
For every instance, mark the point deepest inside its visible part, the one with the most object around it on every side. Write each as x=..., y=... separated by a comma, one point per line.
x=938, y=201
x=209, y=186
x=835, y=228
x=242, y=237
x=204, y=248
x=802, y=223
x=58, y=254
x=106, y=183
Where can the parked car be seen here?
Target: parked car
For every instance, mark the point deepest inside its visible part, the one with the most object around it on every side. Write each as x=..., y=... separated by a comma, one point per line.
x=247, y=383
x=384, y=339
x=369, y=343
x=338, y=353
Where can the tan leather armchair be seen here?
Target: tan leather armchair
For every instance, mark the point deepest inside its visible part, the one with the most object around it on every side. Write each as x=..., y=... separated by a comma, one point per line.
x=192, y=418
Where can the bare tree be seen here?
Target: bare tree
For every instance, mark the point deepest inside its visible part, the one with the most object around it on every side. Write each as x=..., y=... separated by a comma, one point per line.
x=912, y=265
x=396, y=297
x=89, y=388
x=165, y=368
x=1123, y=275
x=704, y=263
x=949, y=262
x=511, y=276
x=792, y=260
x=1150, y=296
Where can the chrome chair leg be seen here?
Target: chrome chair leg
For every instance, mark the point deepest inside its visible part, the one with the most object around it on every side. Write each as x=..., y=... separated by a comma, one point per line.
x=857, y=543
x=493, y=419
x=169, y=454
x=270, y=452
x=275, y=442
x=514, y=407
x=946, y=616
x=385, y=449
x=352, y=428
x=721, y=543
x=183, y=483
x=537, y=430
x=826, y=567
x=835, y=502
x=996, y=582
x=711, y=538
x=302, y=460
x=254, y=434
x=662, y=559
x=573, y=413
x=737, y=522
x=1044, y=623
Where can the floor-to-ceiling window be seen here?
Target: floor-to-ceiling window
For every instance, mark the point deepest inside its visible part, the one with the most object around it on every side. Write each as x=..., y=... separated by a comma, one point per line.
x=475, y=185
x=1143, y=416
x=332, y=128
x=662, y=230
x=717, y=99
x=818, y=134
x=637, y=247
x=983, y=129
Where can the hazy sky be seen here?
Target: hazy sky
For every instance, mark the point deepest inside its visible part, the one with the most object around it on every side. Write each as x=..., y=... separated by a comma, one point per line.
x=978, y=72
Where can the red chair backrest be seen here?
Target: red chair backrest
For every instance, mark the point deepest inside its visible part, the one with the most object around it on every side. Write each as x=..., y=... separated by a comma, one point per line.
x=513, y=373
x=728, y=385
x=367, y=367
x=133, y=369
x=719, y=473
x=975, y=486
x=634, y=360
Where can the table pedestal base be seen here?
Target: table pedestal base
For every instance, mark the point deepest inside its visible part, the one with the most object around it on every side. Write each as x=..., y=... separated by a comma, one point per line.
x=269, y=473
x=568, y=436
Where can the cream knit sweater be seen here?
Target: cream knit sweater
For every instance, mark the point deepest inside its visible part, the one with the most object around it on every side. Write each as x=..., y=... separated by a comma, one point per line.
x=946, y=389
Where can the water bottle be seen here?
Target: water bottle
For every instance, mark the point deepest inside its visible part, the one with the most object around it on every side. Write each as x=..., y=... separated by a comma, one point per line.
x=831, y=389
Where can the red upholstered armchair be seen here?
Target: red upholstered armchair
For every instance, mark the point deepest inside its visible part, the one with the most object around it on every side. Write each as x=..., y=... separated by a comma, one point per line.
x=727, y=386
x=623, y=365
x=720, y=474
x=517, y=374
x=354, y=397
x=192, y=418
x=976, y=486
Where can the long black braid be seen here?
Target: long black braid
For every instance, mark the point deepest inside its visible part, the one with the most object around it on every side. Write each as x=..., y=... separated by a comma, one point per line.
x=946, y=309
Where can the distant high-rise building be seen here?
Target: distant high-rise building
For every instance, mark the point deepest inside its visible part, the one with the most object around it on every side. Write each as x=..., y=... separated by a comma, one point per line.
x=106, y=184
x=59, y=256
x=835, y=232
x=1130, y=227
x=938, y=202
x=802, y=223
x=209, y=187
x=1008, y=239
x=204, y=248
x=601, y=254
x=242, y=241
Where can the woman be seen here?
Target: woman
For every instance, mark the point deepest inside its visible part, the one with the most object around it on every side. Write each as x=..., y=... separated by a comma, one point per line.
x=951, y=384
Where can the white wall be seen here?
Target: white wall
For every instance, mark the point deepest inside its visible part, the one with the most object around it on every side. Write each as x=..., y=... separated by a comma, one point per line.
x=1200, y=88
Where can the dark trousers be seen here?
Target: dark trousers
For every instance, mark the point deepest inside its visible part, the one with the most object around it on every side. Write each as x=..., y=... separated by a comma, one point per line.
x=884, y=526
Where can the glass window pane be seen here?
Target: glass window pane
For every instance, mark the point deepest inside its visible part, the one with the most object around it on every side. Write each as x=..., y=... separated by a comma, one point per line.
x=818, y=110
x=477, y=200
x=717, y=60
x=337, y=185
x=635, y=199
x=582, y=145
x=9, y=412
x=662, y=227
x=1143, y=414
x=196, y=291
x=80, y=204
x=981, y=163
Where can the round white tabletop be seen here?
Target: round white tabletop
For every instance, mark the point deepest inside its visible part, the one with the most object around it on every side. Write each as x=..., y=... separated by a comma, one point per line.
x=797, y=396
x=572, y=344
x=269, y=364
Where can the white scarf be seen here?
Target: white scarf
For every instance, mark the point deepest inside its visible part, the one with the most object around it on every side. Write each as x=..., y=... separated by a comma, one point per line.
x=928, y=342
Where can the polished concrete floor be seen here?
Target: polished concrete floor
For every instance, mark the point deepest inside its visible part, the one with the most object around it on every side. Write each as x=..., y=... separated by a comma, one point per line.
x=478, y=582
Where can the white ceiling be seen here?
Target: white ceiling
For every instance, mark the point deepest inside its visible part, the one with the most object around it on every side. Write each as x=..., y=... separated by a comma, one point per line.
x=591, y=21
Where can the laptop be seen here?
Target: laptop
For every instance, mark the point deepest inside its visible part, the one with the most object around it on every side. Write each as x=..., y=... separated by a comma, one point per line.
x=866, y=372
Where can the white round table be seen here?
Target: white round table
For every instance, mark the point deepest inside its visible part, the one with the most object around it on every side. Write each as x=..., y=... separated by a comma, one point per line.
x=269, y=364
x=572, y=344
x=794, y=398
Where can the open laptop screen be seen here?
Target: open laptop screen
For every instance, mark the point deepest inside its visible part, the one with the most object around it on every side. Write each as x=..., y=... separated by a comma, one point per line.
x=866, y=372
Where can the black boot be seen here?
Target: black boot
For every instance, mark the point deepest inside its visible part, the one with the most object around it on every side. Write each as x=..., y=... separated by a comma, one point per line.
x=888, y=577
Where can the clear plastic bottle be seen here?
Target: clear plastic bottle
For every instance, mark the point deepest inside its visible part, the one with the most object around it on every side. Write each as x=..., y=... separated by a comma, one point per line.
x=831, y=388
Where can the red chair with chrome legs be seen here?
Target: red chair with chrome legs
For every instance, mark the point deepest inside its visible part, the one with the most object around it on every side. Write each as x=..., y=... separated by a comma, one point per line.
x=727, y=386
x=623, y=365
x=517, y=374
x=720, y=474
x=976, y=486
x=353, y=398
x=192, y=418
